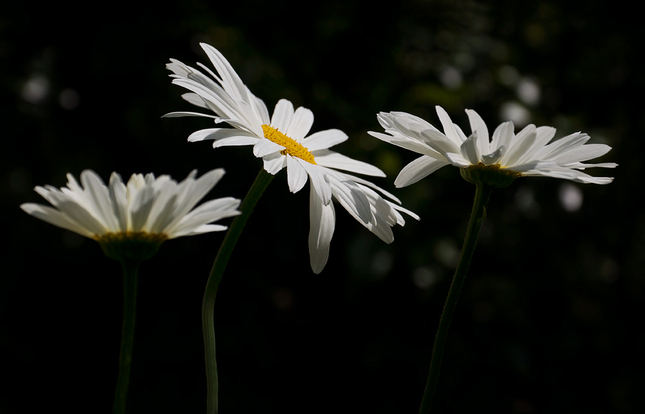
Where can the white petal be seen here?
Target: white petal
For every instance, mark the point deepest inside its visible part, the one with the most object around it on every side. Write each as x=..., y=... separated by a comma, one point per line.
x=73, y=208
x=569, y=174
x=324, y=139
x=520, y=148
x=494, y=157
x=300, y=124
x=322, y=221
x=583, y=153
x=218, y=133
x=352, y=198
x=416, y=143
x=319, y=182
x=140, y=206
x=335, y=160
x=205, y=228
x=236, y=141
x=119, y=197
x=563, y=145
x=282, y=115
x=55, y=217
x=207, y=212
x=163, y=207
x=296, y=174
x=265, y=147
x=180, y=114
x=274, y=163
x=99, y=198
x=440, y=142
x=417, y=170
x=502, y=136
x=233, y=84
x=448, y=126
x=190, y=191
x=479, y=127
x=470, y=150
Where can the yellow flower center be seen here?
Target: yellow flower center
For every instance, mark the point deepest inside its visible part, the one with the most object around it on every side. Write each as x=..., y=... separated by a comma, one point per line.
x=291, y=147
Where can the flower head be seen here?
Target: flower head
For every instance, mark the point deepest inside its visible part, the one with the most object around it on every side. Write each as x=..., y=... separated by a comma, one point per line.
x=497, y=159
x=134, y=218
x=282, y=141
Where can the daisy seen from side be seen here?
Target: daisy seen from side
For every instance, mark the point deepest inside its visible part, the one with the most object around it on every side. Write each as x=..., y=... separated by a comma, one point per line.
x=134, y=218
x=499, y=158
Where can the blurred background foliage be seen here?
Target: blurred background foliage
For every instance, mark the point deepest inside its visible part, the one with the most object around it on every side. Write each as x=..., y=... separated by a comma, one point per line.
x=549, y=318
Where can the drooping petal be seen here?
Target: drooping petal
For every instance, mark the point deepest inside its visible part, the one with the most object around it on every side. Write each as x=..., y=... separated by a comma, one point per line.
x=322, y=221
x=275, y=162
x=296, y=174
x=350, y=195
x=319, y=182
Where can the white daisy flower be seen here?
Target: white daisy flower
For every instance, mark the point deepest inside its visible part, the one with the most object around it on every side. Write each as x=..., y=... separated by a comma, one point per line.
x=146, y=210
x=505, y=155
x=282, y=141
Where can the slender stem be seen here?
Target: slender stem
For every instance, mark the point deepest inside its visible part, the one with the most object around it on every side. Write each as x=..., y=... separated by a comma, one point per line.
x=208, y=305
x=127, y=334
x=477, y=217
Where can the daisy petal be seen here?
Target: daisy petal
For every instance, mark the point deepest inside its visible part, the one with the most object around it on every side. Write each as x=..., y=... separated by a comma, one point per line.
x=300, y=124
x=417, y=170
x=335, y=160
x=321, y=229
x=296, y=174
x=282, y=115
x=324, y=139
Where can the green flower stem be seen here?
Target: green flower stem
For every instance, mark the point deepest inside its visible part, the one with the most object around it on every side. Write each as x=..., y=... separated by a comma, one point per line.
x=130, y=268
x=482, y=194
x=208, y=305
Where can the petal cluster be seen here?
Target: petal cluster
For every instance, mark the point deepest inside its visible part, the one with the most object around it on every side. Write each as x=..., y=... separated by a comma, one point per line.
x=530, y=152
x=283, y=141
x=145, y=204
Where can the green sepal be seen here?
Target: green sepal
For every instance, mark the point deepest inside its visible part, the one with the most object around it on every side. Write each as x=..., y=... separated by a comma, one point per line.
x=131, y=246
x=489, y=175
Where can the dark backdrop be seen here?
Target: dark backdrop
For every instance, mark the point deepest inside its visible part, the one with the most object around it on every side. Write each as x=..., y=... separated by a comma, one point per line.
x=550, y=317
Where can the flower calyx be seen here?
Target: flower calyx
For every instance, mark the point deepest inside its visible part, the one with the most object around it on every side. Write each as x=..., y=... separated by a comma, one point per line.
x=490, y=175
x=131, y=246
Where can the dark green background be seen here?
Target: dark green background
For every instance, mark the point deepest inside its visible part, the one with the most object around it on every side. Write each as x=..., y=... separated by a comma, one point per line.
x=550, y=319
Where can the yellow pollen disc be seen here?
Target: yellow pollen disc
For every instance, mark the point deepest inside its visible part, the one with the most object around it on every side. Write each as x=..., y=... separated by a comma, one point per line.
x=291, y=147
